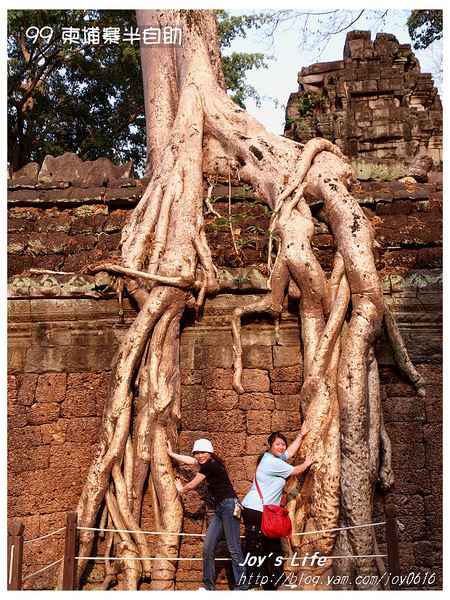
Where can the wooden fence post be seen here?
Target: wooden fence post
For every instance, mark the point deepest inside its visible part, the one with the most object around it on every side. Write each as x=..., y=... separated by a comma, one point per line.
x=70, y=552
x=15, y=554
x=392, y=544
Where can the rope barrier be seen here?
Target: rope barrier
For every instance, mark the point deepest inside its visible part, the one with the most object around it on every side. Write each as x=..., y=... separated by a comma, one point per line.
x=195, y=558
x=340, y=528
x=43, y=569
x=44, y=536
x=145, y=532
x=203, y=534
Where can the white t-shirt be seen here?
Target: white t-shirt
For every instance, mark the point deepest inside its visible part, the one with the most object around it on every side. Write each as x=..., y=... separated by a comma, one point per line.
x=271, y=473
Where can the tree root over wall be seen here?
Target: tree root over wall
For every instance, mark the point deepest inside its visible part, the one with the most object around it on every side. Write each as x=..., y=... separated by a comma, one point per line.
x=195, y=133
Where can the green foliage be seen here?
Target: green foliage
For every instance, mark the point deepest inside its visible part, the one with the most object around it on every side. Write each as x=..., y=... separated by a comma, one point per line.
x=310, y=104
x=87, y=98
x=236, y=65
x=424, y=27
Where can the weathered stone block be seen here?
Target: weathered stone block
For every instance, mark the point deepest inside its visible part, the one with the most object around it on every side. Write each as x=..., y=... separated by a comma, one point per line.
x=255, y=444
x=259, y=421
x=282, y=374
x=286, y=388
x=223, y=400
x=193, y=397
x=85, y=391
x=194, y=419
x=225, y=420
x=257, y=356
x=256, y=401
x=255, y=380
x=221, y=379
x=283, y=420
x=286, y=356
x=51, y=387
x=290, y=402
x=403, y=409
x=27, y=388
x=190, y=376
x=215, y=356
x=228, y=444
x=39, y=414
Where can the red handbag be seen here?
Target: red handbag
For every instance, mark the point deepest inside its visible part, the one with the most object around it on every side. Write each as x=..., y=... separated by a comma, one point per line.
x=275, y=522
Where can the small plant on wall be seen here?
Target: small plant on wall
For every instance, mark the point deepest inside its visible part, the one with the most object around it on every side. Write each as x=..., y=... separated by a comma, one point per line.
x=310, y=104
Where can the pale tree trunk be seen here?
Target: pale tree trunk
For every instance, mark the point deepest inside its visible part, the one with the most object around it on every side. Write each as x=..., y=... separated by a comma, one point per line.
x=194, y=132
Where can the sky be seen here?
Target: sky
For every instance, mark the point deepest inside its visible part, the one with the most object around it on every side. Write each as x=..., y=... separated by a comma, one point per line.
x=292, y=50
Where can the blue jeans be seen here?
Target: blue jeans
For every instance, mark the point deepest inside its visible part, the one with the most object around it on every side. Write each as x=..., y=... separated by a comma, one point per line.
x=223, y=522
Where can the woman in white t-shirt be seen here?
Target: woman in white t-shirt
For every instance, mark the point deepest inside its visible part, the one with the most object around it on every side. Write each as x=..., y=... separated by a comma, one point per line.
x=272, y=471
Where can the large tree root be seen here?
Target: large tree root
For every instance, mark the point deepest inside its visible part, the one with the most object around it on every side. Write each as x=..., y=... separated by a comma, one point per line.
x=196, y=133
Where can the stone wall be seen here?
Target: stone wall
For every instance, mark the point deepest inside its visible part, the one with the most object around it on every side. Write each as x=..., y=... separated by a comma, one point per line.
x=375, y=102
x=64, y=330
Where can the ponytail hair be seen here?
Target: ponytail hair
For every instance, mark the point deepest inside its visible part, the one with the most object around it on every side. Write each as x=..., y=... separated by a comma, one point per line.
x=270, y=440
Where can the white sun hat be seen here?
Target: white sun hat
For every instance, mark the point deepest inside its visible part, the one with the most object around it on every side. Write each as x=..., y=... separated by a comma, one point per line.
x=202, y=445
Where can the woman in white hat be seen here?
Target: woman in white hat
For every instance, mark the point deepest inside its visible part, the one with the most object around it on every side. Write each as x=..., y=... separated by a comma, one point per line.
x=226, y=510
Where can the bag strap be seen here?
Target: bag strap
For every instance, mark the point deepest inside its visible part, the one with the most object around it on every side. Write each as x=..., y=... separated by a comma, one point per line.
x=258, y=488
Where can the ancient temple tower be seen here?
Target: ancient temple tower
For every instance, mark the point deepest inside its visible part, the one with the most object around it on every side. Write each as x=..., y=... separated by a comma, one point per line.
x=375, y=102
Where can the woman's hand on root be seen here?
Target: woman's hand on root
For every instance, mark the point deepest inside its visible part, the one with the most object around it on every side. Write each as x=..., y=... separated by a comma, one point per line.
x=169, y=448
x=178, y=485
x=305, y=429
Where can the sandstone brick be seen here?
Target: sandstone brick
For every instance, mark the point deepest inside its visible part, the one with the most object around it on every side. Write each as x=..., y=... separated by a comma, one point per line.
x=17, y=416
x=403, y=409
x=214, y=356
x=290, y=402
x=259, y=421
x=433, y=446
x=22, y=506
x=29, y=459
x=405, y=432
x=281, y=374
x=71, y=453
x=107, y=242
x=88, y=224
x=49, y=243
x=190, y=376
x=255, y=444
x=116, y=220
x=54, y=433
x=84, y=430
x=255, y=380
x=194, y=419
x=286, y=388
x=286, y=356
x=193, y=397
x=85, y=394
x=39, y=414
x=24, y=437
x=412, y=481
x=220, y=379
x=228, y=444
x=27, y=388
x=411, y=454
x=283, y=420
x=427, y=554
x=225, y=420
x=256, y=401
x=51, y=387
x=411, y=512
x=223, y=400
x=257, y=356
